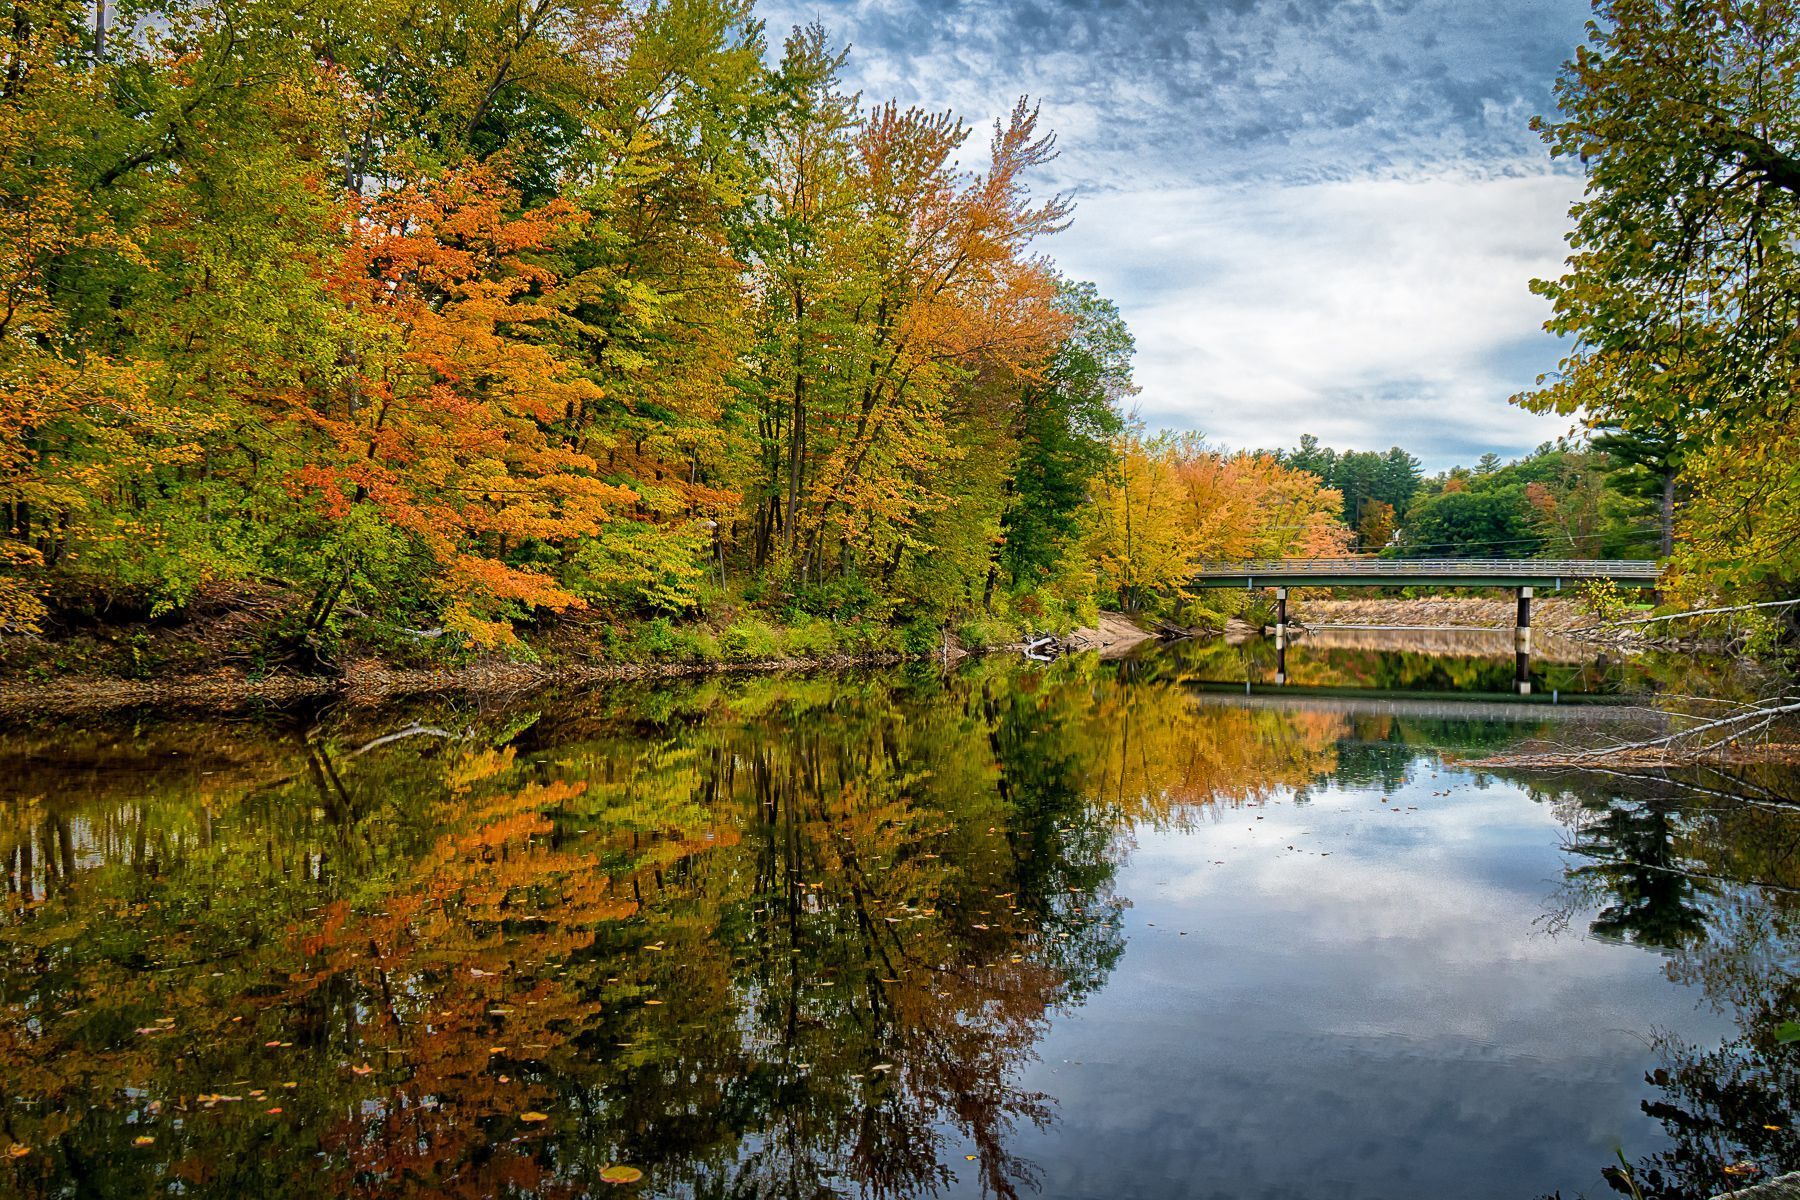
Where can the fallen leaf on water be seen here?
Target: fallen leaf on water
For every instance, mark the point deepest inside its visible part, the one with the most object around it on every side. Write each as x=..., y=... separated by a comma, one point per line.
x=1742, y=1168
x=532, y=1118
x=362, y=1070
x=147, y=1140
x=619, y=1174
x=1773, y=1128
x=276, y=1109
x=17, y=1150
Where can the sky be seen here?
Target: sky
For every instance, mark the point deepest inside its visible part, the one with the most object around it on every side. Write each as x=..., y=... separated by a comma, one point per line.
x=1317, y=216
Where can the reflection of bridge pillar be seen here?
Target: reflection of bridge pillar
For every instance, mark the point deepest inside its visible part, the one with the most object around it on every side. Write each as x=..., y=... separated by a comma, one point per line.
x=1281, y=660
x=1522, y=644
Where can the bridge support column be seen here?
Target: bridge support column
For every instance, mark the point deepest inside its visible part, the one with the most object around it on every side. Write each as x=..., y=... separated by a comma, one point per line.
x=1522, y=644
x=1280, y=617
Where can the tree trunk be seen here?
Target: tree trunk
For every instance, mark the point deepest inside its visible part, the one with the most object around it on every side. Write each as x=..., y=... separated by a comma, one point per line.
x=1668, y=514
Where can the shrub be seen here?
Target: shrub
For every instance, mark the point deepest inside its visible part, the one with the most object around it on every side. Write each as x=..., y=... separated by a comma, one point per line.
x=696, y=644
x=809, y=637
x=750, y=638
x=980, y=631
x=921, y=638
x=654, y=639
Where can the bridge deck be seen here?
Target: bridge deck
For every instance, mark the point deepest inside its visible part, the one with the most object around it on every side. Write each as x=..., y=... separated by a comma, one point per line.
x=1425, y=572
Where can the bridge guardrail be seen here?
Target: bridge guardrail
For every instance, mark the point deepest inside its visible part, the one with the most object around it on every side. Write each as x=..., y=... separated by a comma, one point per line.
x=1576, y=568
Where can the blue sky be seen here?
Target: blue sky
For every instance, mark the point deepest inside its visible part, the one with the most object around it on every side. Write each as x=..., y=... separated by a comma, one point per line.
x=1317, y=216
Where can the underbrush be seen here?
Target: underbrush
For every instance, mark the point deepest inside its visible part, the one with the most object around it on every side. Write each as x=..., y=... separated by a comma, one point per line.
x=256, y=635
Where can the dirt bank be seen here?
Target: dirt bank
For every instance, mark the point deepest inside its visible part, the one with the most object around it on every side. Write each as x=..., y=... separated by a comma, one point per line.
x=1115, y=634
x=1548, y=613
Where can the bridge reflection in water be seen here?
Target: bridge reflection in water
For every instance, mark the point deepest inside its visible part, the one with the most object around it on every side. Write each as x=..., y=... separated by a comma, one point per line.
x=1520, y=575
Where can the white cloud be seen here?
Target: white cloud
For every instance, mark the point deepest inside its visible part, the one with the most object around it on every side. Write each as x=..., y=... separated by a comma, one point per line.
x=1368, y=311
x=1317, y=215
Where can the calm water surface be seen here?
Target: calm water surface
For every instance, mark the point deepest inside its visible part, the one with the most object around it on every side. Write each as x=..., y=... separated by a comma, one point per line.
x=1087, y=930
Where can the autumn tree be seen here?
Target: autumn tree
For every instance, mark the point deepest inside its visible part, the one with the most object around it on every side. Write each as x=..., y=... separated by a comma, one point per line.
x=1170, y=503
x=1683, y=288
x=894, y=297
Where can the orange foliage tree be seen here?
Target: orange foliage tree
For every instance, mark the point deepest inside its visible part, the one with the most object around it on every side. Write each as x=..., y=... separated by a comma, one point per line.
x=446, y=429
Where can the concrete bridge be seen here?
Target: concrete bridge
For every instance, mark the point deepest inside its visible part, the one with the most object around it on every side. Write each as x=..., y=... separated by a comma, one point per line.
x=1550, y=573
x=1521, y=574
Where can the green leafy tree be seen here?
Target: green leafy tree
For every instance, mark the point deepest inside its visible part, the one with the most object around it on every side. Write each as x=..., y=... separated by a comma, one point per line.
x=1064, y=427
x=1683, y=287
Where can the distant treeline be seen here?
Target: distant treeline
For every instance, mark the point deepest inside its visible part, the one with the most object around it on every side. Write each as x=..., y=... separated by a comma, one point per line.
x=1595, y=499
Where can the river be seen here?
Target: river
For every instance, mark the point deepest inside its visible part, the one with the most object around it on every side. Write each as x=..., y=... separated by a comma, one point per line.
x=1149, y=928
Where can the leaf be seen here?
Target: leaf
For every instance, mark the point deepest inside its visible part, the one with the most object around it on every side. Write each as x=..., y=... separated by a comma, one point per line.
x=532, y=1118
x=1787, y=1031
x=620, y=1174
x=17, y=1150
x=143, y=1139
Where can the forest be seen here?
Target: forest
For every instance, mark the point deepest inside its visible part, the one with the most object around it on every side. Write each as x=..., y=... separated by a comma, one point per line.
x=450, y=324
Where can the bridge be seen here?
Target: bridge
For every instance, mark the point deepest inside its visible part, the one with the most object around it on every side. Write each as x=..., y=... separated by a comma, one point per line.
x=1521, y=574
x=1551, y=573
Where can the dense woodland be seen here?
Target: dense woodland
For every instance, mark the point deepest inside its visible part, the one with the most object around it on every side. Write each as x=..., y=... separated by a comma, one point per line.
x=444, y=322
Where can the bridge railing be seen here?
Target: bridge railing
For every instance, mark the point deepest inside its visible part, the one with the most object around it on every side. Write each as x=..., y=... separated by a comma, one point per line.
x=1577, y=568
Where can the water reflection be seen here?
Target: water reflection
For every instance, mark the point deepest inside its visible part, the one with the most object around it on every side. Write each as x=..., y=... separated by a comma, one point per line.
x=1714, y=882
x=802, y=937
x=1464, y=662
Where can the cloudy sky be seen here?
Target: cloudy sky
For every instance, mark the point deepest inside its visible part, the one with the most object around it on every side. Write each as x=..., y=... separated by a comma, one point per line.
x=1317, y=215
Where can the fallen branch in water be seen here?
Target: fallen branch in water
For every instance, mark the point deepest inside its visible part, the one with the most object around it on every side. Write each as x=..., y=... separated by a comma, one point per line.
x=413, y=730
x=1717, y=741
x=1692, y=612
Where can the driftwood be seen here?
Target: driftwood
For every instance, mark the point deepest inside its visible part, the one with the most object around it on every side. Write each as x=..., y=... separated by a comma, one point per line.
x=413, y=730
x=418, y=635
x=1719, y=740
x=1692, y=612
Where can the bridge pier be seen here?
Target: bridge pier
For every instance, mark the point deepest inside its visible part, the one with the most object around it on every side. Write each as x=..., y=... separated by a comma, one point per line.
x=1522, y=644
x=1281, y=635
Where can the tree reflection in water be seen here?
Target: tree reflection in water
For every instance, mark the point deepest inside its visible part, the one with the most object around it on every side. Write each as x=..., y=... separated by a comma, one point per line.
x=1708, y=871
x=787, y=937
x=771, y=938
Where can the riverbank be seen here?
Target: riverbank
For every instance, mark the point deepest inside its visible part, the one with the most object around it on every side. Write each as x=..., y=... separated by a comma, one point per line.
x=233, y=651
